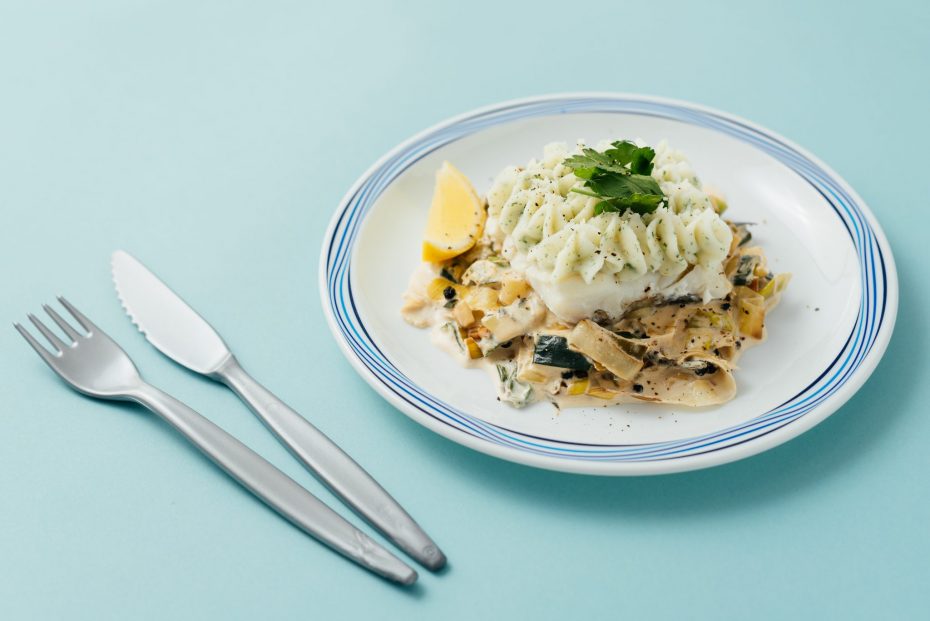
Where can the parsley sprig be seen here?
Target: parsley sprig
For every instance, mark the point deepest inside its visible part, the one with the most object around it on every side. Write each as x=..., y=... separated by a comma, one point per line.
x=620, y=176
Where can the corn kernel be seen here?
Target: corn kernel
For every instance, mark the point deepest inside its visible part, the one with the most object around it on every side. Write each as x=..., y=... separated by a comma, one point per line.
x=579, y=387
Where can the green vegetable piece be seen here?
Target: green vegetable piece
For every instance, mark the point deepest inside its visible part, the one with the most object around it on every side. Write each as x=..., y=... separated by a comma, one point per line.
x=744, y=270
x=742, y=231
x=553, y=351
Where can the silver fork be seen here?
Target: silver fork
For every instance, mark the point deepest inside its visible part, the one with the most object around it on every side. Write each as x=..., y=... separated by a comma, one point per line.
x=92, y=363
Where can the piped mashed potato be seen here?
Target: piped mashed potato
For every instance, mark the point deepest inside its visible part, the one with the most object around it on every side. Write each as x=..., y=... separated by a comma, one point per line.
x=579, y=262
x=605, y=275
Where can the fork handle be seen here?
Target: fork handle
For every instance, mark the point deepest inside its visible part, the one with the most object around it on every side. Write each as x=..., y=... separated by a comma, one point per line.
x=333, y=467
x=274, y=487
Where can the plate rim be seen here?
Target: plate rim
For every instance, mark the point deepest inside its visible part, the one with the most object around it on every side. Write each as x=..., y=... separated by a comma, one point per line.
x=727, y=454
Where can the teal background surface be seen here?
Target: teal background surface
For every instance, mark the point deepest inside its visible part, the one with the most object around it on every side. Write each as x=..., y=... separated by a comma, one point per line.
x=215, y=139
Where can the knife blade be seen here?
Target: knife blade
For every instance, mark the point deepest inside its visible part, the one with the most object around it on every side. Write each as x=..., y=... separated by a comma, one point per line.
x=180, y=333
x=168, y=323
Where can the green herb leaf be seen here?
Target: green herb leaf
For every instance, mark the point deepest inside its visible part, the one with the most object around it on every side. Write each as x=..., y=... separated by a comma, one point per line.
x=638, y=159
x=621, y=175
x=637, y=203
x=622, y=186
x=622, y=151
x=641, y=164
x=605, y=207
x=592, y=159
x=584, y=173
x=585, y=192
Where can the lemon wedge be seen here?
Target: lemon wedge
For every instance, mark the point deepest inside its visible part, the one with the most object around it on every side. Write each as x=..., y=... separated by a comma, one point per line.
x=456, y=217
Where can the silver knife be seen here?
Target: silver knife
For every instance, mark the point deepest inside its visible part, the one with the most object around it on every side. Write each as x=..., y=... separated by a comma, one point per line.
x=176, y=330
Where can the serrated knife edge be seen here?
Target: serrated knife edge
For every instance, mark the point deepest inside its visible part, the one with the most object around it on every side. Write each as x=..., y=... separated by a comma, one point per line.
x=188, y=338
x=119, y=292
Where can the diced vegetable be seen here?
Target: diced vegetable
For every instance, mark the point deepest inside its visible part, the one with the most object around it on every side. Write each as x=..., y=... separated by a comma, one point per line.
x=602, y=346
x=481, y=272
x=487, y=345
x=602, y=393
x=453, y=269
x=483, y=338
x=528, y=371
x=502, y=326
x=509, y=388
x=532, y=373
x=478, y=333
x=553, y=351
x=579, y=386
x=474, y=351
x=776, y=285
x=482, y=298
x=515, y=320
x=511, y=289
x=462, y=314
x=744, y=269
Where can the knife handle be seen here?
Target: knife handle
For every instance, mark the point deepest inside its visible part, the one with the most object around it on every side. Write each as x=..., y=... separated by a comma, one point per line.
x=333, y=466
x=274, y=487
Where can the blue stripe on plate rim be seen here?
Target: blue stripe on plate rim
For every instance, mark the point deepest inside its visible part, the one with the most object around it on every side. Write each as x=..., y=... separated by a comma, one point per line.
x=849, y=369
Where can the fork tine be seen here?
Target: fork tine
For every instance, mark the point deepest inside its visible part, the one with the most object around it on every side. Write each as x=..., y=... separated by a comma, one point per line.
x=44, y=353
x=86, y=323
x=66, y=327
x=50, y=336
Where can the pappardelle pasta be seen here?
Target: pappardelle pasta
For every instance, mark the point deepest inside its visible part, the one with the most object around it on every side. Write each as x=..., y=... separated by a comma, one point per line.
x=593, y=275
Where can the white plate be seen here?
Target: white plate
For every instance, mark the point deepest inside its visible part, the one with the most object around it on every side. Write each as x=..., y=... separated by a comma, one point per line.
x=825, y=338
